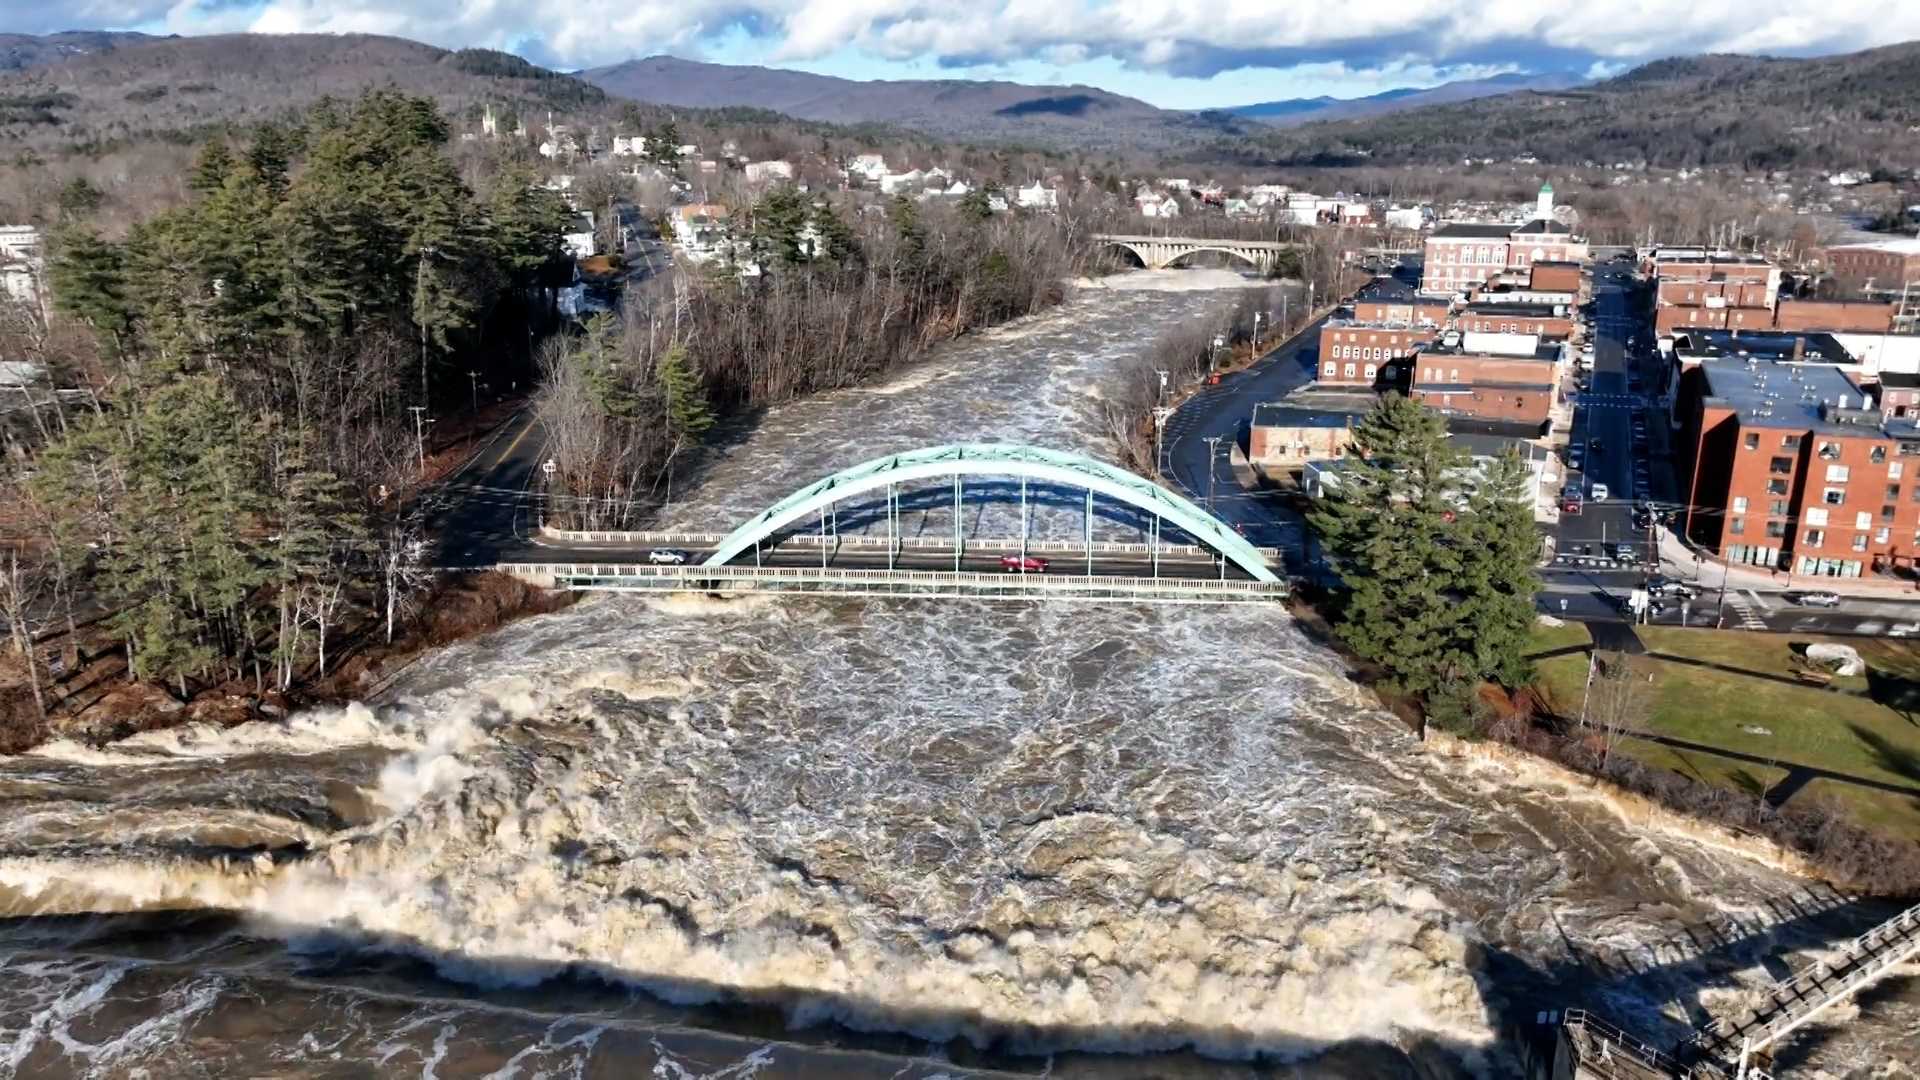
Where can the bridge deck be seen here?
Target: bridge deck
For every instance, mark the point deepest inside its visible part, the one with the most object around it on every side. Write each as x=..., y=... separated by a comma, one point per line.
x=640, y=577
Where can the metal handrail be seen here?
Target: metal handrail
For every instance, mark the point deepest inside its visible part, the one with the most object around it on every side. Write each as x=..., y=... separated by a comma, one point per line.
x=1870, y=957
x=776, y=573
x=649, y=538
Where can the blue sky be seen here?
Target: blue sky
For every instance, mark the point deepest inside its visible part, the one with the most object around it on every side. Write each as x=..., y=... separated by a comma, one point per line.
x=1173, y=53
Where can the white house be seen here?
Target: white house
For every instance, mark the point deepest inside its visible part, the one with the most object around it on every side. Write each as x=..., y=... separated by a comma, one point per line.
x=760, y=172
x=869, y=166
x=891, y=183
x=1155, y=205
x=578, y=239
x=629, y=146
x=1412, y=218
x=700, y=229
x=687, y=150
x=1266, y=194
x=21, y=268
x=1038, y=197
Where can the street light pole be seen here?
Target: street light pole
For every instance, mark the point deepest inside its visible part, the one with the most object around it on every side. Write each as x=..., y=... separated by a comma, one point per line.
x=1213, y=448
x=420, y=434
x=473, y=385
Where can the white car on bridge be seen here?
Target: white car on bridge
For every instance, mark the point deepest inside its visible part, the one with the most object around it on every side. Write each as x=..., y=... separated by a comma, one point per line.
x=667, y=556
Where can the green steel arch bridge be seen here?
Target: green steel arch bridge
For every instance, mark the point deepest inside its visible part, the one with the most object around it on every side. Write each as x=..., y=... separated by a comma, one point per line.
x=797, y=544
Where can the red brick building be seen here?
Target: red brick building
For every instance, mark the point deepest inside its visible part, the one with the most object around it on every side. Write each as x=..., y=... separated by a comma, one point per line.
x=1790, y=466
x=1712, y=290
x=1888, y=264
x=1353, y=353
x=1541, y=320
x=1555, y=277
x=1511, y=377
x=1850, y=316
x=1462, y=255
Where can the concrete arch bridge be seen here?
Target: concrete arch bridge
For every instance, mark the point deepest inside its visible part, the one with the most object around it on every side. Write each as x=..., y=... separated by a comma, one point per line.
x=1162, y=252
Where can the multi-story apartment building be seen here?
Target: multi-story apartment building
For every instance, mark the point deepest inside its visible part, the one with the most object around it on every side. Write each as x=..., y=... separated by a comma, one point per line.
x=1791, y=466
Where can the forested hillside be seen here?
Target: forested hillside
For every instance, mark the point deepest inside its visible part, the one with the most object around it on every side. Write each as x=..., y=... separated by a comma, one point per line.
x=238, y=480
x=175, y=87
x=1861, y=110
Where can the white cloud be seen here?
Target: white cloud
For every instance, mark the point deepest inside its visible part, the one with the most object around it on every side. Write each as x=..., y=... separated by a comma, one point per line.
x=1179, y=36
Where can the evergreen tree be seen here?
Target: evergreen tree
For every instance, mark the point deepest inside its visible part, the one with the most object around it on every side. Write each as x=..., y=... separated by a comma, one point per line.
x=1387, y=528
x=688, y=414
x=89, y=283
x=1498, y=580
x=211, y=167
x=905, y=218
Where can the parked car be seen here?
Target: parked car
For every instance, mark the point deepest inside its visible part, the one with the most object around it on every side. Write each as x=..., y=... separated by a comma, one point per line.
x=1023, y=564
x=1662, y=585
x=1625, y=553
x=1903, y=629
x=1571, y=502
x=1598, y=493
x=1816, y=598
x=667, y=556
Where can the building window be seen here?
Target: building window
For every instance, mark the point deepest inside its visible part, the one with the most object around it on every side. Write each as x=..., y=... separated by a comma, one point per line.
x=1370, y=370
x=1880, y=536
x=1863, y=520
x=1454, y=375
x=1753, y=440
x=1774, y=487
x=1778, y=507
x=1893, y=492
x=1894, y=471
x=1776, y=530
x=1877, y=455
x=1328, y=370
x=1739, y=504
x=1781, y=466
x=1834, y=496
x=1736, y=526
x=1349, y=371
x=1837, y=474
x=1816, y=516
x=1814, y=537
x=1886, y=513
x=1789, y=442
x=1860, y=542
x=1829, y=451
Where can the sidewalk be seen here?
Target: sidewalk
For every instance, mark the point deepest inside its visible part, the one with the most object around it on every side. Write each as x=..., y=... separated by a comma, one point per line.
x=1680, y=559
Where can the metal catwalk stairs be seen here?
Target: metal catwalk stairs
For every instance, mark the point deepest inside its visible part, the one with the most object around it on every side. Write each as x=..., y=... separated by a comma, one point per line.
x=1736, y=1039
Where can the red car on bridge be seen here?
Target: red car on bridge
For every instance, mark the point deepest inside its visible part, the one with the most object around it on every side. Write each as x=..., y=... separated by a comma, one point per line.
x=1023, y=564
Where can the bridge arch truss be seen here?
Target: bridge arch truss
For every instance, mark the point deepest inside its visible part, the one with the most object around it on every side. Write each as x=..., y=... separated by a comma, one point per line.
x=1161, y=252
x=955, y=462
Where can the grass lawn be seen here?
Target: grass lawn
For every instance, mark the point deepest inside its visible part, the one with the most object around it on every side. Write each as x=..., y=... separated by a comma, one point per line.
x=1748, y=702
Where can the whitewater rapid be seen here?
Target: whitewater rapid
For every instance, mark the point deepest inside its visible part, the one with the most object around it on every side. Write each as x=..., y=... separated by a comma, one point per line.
x=698, y=838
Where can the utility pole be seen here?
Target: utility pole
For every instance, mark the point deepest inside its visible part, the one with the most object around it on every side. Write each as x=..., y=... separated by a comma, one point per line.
x=473, y=385
x=1258, y=316
x=1213, y=448
x=420, y=433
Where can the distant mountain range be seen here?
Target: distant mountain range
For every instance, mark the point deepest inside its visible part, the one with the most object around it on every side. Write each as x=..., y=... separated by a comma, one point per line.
x=19, y=51
x=955, y=108
x=1856, y=110
x=1306, y=110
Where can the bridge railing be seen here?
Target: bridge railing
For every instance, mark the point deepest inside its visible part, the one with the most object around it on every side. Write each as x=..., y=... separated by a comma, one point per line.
x=717, y=578
x=1605, y=1050
x=859, y=541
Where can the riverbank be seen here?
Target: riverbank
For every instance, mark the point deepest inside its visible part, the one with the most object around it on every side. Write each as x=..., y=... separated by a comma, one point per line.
x=92, y=700
x=1520, y=730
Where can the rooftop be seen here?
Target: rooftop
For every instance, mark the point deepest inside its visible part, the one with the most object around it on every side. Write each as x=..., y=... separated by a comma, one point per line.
x=1534, y=311
x=1905, y=245
x=1472, y=230
x=1819, y=348
x=1502, y=346
x=1543, y=227
x=1900, y=380
x=1276, y=414
x=1799, y=397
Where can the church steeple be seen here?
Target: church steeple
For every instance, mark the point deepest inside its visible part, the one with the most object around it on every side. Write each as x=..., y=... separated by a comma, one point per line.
x=1544, y=209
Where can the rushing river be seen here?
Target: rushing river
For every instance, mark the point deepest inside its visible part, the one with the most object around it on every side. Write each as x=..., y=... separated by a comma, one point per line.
x=809, y=837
